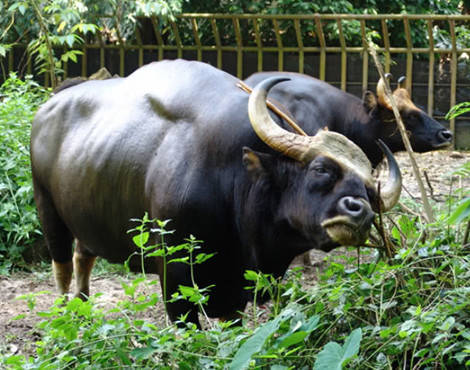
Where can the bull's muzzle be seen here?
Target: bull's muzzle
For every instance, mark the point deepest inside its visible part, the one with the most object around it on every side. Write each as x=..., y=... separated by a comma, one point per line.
x=444, y=139
x=352, y=224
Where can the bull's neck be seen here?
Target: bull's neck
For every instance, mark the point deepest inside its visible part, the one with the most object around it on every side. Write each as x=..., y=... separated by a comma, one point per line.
x=261, y=249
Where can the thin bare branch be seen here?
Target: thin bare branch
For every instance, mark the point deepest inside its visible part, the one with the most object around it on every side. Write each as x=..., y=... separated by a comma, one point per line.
x=427, y=207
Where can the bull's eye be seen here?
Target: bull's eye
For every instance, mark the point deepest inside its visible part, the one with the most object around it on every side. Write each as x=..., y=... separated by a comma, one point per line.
x=320, y=170
x=323, y=174
x=322, y=179
x=411, y=118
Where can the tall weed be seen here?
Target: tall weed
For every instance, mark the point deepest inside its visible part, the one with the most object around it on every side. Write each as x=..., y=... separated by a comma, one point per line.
x=19, y=101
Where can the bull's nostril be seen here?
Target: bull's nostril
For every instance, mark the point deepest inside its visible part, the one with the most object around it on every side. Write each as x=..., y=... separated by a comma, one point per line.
x=350, y=206
x=444, y=135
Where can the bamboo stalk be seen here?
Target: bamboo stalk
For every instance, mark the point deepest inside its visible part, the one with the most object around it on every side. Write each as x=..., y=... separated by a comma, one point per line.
x=238, y=36
x=218, y=44
x=431, y=70
x=280, y=47
x=321, y=38
x=365, y=58
x=344, y=55
x=453, y=76
x=179, y=45
x=401, y=127
x=197, y=40
x=259, y=45
x=386, y=39
x=300, y=44
x=158, y=35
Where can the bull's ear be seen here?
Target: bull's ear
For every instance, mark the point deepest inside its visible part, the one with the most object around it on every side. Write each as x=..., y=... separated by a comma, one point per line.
x=253, y=163
x=369, y=100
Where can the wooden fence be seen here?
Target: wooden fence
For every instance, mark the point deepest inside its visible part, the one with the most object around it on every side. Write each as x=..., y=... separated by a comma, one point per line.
x=245, y=43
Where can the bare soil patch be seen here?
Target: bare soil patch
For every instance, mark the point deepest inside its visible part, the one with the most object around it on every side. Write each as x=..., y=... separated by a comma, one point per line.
x=18, y=335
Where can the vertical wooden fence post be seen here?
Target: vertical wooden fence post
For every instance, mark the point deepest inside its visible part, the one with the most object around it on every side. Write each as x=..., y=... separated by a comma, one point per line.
x=321, y=38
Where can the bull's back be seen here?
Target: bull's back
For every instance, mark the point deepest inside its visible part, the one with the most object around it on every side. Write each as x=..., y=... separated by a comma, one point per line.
x=313, y=103
x=107, y=151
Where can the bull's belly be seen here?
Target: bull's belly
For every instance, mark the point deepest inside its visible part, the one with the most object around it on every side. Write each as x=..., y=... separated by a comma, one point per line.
x=104, y=236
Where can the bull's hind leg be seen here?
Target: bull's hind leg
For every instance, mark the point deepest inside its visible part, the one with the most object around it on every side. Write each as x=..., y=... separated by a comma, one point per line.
x=83, y=264
x=62, y=275
x=58, y=238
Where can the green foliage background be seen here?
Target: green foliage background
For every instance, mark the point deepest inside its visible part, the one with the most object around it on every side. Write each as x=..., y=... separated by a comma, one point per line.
x=19, y=100
x=54, y=30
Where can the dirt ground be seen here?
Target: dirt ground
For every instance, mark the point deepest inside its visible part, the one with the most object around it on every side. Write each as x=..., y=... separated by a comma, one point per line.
x=17, y=336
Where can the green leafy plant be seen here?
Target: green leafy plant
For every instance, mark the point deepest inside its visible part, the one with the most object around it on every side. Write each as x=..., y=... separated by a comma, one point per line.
x=61, y=28
x=55, y=30
x=19, y=226
x=264, y=284
x=410, y=311
x=193, y=293
x=458, y=110
x=335, y=356
x=462, y=212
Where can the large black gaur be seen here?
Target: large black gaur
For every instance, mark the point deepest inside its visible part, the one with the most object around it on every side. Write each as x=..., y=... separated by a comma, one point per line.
x=180, y=140
x=316, y=104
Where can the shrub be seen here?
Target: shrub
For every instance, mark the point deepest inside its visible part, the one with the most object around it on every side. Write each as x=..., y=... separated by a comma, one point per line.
x=412, y=311
x=19, y=225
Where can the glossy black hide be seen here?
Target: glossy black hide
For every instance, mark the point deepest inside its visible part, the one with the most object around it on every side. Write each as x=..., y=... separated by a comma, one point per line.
x=174, y=139
x=315, y=104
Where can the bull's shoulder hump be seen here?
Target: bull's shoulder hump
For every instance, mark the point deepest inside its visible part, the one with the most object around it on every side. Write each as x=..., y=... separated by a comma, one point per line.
x=79, y=90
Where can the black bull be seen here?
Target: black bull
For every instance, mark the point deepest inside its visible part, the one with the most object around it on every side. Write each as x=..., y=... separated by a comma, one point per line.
x=316, y=104
x=175, y=139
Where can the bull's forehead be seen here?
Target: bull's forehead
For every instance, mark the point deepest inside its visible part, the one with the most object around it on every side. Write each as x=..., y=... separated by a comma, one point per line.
x=363, y=172
x=344, y=152
x=403, y=99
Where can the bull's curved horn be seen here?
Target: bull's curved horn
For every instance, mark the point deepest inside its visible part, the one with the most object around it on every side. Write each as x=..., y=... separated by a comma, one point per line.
x=381, y=96
x=390, y=193
x=304, y=148
x=288, y=143
x=401, y=82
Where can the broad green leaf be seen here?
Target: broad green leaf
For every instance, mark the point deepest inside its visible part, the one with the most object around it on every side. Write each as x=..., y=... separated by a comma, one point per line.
x=256, y=342
x=251, y=275
x=186, y=290
x=123, y=356
x=141, y=239
x=298, y=332
x=334, y=356
x=462, y=212
x=293, y=338
x=70, y=40
x=179, y=260
x=353, y=341
x=202, y=257
x=61, y=26
x=142, y=353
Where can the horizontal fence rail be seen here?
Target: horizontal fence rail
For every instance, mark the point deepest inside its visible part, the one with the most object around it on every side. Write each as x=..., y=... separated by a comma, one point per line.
x=246, y=43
